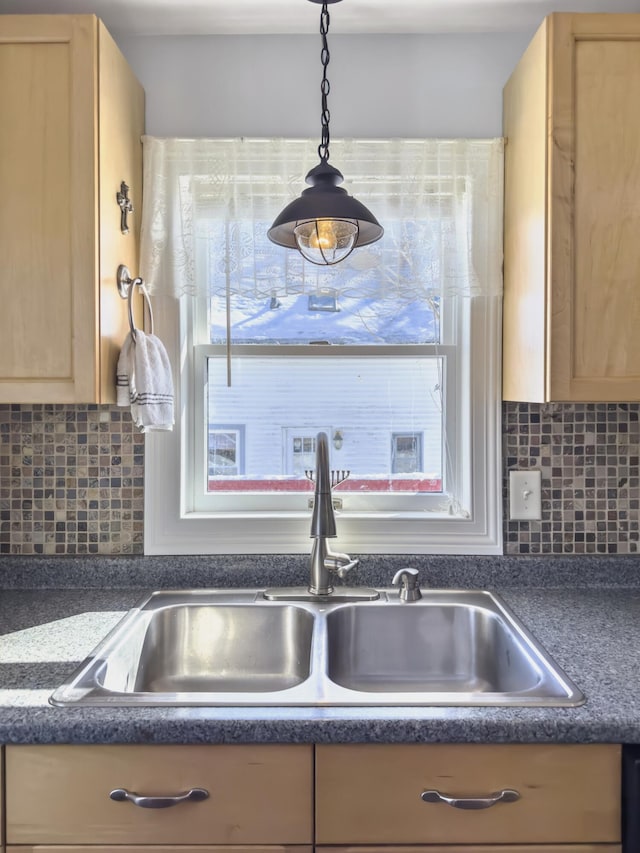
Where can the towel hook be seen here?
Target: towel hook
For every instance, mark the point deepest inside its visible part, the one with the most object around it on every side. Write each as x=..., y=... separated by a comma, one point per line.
x=126, y=285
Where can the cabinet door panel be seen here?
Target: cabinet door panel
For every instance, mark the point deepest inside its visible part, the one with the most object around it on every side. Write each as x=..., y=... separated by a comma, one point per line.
x=569, y=794
x=47, y=221
x=572, y=176
x=257, y=794
x=36, y=277
x=72, y=120
x=594, y=218
x=607, y=215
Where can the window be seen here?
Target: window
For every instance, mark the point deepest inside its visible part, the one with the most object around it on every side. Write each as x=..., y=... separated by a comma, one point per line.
x=300, y=450
x=398, y=367
x=225, y=452
x=365, y=393
x=323, y=301
x=406, y=452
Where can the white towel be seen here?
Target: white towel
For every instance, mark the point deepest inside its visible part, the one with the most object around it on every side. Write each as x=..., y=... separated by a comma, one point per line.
x=144, y=382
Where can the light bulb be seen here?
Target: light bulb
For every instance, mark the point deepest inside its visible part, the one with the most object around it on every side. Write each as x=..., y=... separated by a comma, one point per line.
x=326, y=241
x=323, y=235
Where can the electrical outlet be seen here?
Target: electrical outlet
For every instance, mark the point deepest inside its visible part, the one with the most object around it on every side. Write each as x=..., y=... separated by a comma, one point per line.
x=525, y=495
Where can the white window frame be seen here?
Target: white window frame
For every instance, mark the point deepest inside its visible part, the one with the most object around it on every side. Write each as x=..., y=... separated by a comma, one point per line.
x=174, y=526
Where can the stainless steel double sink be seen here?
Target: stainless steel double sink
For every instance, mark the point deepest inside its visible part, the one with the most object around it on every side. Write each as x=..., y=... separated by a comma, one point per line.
x=235, y=648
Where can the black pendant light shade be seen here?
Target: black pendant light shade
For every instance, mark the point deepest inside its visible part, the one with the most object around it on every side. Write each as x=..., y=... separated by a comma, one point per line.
x=325, y=224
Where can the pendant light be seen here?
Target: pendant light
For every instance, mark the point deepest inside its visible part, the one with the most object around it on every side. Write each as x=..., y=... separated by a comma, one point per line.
x=325, y=224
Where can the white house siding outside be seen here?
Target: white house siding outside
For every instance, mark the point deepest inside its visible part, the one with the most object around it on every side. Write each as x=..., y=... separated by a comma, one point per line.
x=366, y=400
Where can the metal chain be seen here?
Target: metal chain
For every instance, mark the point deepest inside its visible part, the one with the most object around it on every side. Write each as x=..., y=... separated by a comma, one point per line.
x=325, y=86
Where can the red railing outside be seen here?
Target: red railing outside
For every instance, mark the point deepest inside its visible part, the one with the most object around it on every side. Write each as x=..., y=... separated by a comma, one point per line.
x=284, y=484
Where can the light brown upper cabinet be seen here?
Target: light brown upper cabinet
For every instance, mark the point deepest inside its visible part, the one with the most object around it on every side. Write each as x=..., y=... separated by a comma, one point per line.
x=72, y=117
x=572, y=213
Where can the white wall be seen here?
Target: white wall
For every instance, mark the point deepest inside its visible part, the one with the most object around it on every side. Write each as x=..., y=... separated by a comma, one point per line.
x=382, y=86
x=368, y=399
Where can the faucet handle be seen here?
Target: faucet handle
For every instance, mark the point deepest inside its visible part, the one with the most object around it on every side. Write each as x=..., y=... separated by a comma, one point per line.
x=341, y=564
x=407, y=580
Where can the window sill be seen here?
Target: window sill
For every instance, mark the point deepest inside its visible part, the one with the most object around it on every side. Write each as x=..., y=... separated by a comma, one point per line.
x=346, y=516
x=288, y=533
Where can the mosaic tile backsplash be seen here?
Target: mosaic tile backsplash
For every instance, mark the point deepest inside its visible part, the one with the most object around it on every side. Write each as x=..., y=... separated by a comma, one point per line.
x=71, y=479
x=588, y=454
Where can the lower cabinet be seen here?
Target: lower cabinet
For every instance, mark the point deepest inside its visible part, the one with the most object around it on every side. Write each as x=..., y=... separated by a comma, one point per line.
x=428, y=798
x=474, y=848
x=475, y=795
x=165, y=848
x=62, y=795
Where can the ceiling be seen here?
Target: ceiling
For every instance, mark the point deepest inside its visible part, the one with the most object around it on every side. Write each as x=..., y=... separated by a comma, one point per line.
x=188, y=17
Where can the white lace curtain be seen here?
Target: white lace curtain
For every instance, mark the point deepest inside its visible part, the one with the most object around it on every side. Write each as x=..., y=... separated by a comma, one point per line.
x=209, y=202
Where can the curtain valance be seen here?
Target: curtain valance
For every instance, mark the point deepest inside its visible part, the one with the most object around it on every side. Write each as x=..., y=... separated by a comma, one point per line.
x=209, y=202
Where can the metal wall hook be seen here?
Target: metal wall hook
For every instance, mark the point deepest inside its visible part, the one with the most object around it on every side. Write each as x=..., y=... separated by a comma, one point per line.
x=126, y=285
x=124, y=281
x=125, y=205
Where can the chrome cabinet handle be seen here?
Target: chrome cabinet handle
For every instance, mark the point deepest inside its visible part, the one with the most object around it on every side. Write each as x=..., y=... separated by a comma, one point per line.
x=194, y=795
x=505, y=796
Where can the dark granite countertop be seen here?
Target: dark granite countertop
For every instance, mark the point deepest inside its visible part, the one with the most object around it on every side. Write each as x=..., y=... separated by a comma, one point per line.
x=584, y=612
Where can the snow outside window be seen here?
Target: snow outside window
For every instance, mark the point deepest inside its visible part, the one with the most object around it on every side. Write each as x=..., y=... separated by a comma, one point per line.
x=393, y=353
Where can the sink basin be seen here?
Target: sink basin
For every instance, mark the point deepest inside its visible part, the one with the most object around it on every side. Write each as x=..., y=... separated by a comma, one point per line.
x=234, y=648
x=182, y=648
x=458, y=643
x=208, y=647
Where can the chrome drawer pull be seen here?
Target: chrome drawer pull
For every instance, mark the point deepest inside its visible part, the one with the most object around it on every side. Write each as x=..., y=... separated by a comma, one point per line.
x=193, y=796
x=506, y=796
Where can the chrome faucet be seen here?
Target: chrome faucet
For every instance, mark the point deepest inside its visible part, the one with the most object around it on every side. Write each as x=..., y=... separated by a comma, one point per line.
x=325, y=562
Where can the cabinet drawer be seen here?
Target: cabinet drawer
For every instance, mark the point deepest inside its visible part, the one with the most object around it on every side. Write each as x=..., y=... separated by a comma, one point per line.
x=186, y=848
x=257, y=794
x=474, y=848
x=371, y=794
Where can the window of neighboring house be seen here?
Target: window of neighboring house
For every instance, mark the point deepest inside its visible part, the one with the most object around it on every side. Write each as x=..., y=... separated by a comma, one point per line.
x=299, y=450
x=225, y=451
x=371, y=350
x=323, y=301
x=406, y=452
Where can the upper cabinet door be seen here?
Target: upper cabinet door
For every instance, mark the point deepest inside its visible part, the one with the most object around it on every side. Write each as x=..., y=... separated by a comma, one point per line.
x=572, y=213
x=56, y=71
